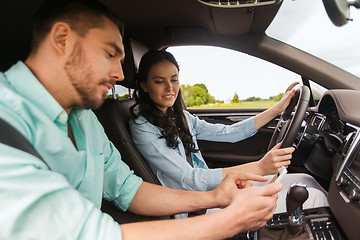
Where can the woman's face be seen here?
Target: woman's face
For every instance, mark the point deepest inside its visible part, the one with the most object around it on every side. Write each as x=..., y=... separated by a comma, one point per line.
x=162, y=84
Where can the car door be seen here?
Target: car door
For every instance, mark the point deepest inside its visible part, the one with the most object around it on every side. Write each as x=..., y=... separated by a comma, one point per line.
x=253, y=73
x=220, y=154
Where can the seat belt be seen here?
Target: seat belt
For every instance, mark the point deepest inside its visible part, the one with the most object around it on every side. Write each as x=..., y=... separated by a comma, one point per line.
x=13, y=138
x=189, y=158
x=200, y=211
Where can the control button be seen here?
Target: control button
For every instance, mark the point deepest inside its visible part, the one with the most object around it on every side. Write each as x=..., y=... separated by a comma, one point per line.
x=354, y=195
x=343, y=182
x=316, y=225
x=319, y=235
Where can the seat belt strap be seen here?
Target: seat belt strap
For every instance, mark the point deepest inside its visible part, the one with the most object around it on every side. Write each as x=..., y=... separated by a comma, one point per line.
x=189, y=159
x=13, y=138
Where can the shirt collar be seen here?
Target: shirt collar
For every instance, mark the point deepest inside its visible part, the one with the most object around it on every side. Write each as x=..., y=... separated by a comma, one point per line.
x=23, y=81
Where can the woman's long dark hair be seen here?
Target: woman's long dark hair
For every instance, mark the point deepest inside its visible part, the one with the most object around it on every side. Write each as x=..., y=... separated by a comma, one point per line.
x=172, y=123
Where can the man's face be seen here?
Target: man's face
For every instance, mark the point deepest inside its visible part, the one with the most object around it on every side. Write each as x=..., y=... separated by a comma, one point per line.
x=94, y=65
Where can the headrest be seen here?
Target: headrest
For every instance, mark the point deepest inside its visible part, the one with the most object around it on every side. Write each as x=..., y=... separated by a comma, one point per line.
x=133, y=53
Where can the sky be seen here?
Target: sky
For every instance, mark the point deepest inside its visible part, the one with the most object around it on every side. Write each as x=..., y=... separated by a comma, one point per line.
x=302, y=23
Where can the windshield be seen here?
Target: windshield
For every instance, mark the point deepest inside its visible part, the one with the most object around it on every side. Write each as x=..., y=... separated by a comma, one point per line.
x=304, y=24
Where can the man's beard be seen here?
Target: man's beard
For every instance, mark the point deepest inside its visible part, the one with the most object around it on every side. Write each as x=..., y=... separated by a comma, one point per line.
x=81, y=77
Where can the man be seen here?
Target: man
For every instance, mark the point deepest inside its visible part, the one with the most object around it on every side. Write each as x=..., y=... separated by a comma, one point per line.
x=75, y=59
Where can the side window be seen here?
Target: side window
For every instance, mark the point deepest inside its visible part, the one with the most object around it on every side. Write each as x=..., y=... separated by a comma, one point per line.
x=213, y=77
x=120, y=92
x=317, y=91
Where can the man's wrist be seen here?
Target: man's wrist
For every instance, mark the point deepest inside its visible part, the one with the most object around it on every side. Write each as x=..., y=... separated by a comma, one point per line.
x=233, y=223
x=213, y=197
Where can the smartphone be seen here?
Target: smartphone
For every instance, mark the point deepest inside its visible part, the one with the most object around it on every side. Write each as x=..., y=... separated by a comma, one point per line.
x=280, y=174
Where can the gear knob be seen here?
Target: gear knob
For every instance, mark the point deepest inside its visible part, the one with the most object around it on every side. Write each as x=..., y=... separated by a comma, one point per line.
x=296, y=196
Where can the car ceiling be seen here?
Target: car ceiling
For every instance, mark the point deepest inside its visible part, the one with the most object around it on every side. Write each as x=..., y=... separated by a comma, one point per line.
x=162, y=23
x=170, y=22
x=15, y=23
x=156, y=23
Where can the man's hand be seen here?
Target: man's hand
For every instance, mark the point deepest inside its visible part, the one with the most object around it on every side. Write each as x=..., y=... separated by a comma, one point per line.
x=253, y=206
x=230, y=185
x=275, y=159
x=247, y=208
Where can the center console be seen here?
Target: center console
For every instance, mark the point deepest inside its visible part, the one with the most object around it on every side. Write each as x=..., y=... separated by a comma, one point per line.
x=340, y=220
x=318, y=224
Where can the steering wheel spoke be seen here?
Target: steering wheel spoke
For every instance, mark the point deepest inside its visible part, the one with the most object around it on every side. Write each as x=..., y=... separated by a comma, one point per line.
x=288, y=127
x=283, y=131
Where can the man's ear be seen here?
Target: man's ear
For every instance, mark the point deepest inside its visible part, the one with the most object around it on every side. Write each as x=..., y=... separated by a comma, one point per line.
x=60, y=36
x=143, y=85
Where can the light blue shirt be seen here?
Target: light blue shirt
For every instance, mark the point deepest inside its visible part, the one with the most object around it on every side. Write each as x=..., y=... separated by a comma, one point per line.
x=63, y=203
x=170, y=165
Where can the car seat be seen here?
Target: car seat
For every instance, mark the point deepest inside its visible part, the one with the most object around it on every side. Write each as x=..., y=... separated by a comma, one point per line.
x=114, y=115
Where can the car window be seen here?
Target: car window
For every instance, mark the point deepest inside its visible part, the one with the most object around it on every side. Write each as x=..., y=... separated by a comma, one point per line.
x=314, y=33
x=120, y=92
x=317, y=91
x=231, y=78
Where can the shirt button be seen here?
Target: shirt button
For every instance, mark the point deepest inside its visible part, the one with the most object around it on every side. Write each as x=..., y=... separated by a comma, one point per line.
x=61, y=115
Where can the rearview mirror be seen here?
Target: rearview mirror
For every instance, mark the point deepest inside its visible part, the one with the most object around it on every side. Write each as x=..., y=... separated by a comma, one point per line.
x=339, y=10
x=239, y=3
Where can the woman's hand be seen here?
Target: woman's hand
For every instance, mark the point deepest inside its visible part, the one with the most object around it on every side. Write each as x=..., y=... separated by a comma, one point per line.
x=284, y=102
x=275, y=159
x=269, y=114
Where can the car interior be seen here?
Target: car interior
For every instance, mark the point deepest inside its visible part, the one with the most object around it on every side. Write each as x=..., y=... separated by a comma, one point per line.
x=325, y=132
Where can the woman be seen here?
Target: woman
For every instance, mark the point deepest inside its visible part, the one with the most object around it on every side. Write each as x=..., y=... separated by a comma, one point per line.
x=166, y=134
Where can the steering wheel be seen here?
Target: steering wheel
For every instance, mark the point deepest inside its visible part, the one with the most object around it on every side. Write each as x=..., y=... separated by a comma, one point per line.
x=287, y=128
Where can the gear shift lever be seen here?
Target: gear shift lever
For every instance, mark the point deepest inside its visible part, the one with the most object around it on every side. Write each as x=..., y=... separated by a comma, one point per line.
x=295, y=228
x=296, y=196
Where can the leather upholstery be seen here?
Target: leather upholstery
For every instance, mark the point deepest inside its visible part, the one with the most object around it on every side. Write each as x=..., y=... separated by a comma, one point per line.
x=114, y=115
x=133, y=54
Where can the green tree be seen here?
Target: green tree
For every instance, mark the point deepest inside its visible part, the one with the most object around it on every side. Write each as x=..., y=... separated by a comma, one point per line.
x=278, y=97
x=252, y=99
x=125, y=96
x=201, y=85
x=196, y=95
x=235, y=98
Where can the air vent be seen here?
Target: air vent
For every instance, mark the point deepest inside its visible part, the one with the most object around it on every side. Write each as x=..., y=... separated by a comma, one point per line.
x=318, y=121
x=351, y=142
x=238, y=3
x=348, y=141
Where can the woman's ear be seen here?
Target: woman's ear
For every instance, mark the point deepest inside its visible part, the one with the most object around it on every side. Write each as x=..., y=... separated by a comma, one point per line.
x=143, y=85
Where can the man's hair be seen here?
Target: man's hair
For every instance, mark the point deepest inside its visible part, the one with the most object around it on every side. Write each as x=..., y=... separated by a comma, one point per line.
x=81, y=15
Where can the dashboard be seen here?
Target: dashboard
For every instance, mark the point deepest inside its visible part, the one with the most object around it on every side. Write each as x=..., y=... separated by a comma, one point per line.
x=333, y=132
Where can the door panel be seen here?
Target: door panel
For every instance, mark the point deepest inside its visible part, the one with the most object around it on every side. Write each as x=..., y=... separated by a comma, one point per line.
x=219, y=154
